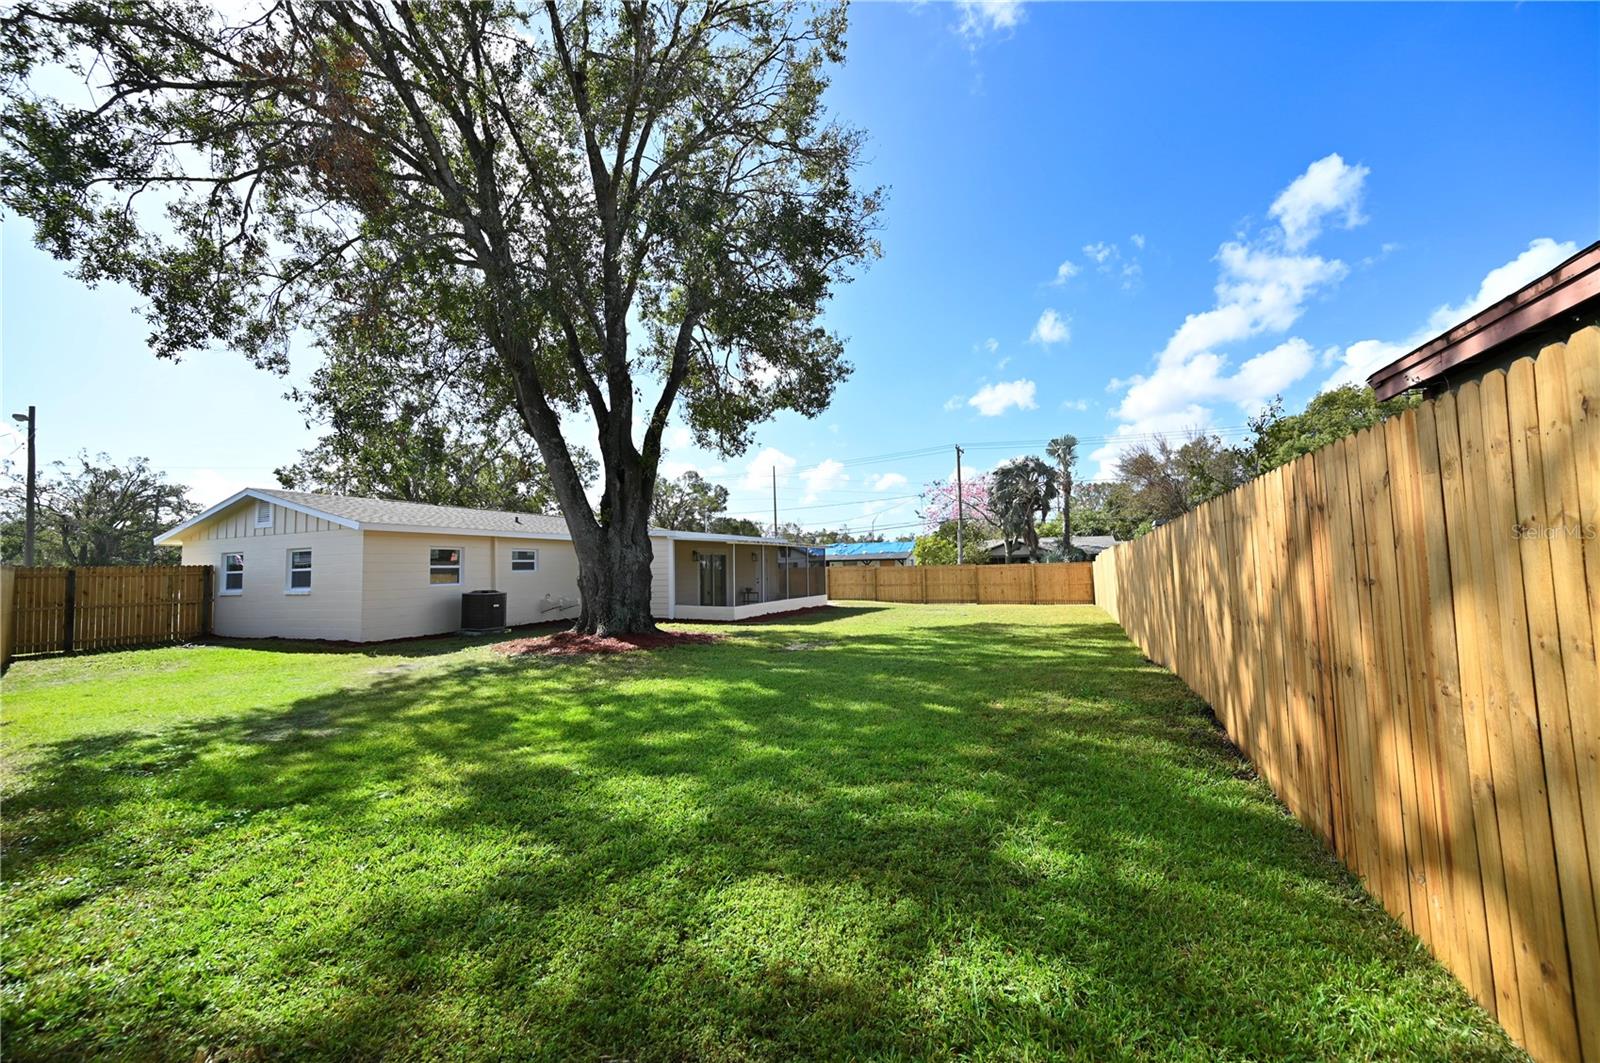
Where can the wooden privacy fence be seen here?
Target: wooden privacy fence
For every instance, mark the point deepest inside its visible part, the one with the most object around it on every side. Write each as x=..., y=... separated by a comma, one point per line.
x=57, y=610
x=1399, y=630
x=1066, y=583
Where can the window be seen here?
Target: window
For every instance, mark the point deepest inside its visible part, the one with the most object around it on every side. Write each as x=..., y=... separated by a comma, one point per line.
x=299, y=572
x=524, y=560
x=263, y=514
x=444, y=565
x=232, y=574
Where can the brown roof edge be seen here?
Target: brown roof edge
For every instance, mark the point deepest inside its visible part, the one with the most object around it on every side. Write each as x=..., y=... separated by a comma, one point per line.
x=1574, y=281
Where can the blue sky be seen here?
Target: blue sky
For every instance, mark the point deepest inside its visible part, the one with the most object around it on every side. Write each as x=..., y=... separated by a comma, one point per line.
x=1105, y=220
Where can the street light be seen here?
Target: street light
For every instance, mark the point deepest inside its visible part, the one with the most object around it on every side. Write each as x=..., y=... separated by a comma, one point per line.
x=30, y=420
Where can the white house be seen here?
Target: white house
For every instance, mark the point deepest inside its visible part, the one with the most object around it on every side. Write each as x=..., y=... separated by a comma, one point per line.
x=298, y=564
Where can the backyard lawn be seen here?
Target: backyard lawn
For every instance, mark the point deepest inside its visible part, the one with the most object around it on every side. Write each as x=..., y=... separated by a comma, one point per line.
x=895, y=832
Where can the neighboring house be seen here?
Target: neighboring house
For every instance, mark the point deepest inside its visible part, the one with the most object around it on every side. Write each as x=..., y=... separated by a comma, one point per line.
x=297, y=564
x=879, y=554
x=1089, y=544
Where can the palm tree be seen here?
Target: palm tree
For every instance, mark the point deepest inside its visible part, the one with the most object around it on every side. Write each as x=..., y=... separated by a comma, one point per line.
x=1064, y=449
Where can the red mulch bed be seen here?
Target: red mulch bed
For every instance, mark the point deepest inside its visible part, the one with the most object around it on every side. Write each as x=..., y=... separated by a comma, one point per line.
x=572, y=644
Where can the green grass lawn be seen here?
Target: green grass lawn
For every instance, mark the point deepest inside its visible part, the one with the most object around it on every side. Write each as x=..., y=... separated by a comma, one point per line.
x=896, y=832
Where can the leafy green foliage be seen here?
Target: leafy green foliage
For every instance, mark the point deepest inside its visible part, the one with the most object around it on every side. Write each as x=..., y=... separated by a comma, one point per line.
x=1165, y=482
x=934, y=550
x=927, y=832
x=1063, y=450
x=461, y=444
x=1331, y=415
x=95, y=512
x=1021, y=492
x=689, y=503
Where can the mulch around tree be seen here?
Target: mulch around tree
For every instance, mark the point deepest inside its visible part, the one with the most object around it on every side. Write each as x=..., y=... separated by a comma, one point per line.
x=572, y=644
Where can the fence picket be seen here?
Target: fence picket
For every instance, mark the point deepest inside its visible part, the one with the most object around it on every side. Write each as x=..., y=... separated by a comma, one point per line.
x=1400, y=631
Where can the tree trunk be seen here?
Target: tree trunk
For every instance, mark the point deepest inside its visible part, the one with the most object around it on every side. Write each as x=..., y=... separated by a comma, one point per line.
x=614, y=579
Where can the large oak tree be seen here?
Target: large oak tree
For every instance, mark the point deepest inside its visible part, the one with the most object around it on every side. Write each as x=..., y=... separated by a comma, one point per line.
x=624, y=208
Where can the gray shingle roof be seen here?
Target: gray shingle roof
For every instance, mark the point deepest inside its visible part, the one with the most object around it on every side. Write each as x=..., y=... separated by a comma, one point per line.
x=369, y=511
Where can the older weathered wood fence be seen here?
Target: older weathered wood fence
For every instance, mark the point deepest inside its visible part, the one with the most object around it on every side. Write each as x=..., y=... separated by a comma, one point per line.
x=1399, y=630
x=1056, y=584
x=58, y=610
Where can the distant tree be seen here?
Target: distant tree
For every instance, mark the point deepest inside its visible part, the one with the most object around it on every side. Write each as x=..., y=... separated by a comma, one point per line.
x=933, y=549
x=688, y=503
x=735, y=526
x=1022, y=491
x=1279, y=438
x=1063, y=450
x=95, y=512
x=1106, y=509
x=939, y=509
x=1166, y=481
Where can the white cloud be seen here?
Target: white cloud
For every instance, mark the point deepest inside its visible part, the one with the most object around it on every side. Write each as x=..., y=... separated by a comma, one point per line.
x=1100, y=252
x=1542, y=256
x=887, y=481
x=758, y=474
x=679, y=438
x=1051, y=328
x=991, y=345
x=826, y=476
x=992, y=400
x=1262, y=288
x=1359, y=359
x=1065, y=272
x=1137, y=239
x=954, y=402
x=1075, y=404
x=1330, y=187
x=979, y=17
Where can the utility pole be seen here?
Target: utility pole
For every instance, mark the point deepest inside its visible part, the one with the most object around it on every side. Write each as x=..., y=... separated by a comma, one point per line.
x=33, y=503
x=774, y=501
x=961, y=511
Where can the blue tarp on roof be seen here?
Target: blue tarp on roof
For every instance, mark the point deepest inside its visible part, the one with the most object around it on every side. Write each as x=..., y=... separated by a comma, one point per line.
x=866, y=551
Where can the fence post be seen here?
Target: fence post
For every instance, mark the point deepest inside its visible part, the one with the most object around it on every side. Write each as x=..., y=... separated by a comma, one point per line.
x=71, y=611
x=208, y=574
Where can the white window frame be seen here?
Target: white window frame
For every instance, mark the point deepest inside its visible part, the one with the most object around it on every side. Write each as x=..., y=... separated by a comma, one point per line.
x=289, y=570
x=259, y=522
x=222, y=572
x=460, y=566
x=534, y=557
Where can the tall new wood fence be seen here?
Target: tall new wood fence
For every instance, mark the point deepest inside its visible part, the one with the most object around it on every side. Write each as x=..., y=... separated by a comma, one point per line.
x=1399, y=630
x=56, y=610
x=1066, y=583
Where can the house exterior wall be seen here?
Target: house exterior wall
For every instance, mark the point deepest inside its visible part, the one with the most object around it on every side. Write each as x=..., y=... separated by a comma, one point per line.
x=556, y=578
x=264, y=609
x=661, y=578
x=398, y=601
x=368, y=586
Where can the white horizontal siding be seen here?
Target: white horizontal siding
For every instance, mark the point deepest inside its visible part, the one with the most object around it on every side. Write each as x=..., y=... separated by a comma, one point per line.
x=332, y=609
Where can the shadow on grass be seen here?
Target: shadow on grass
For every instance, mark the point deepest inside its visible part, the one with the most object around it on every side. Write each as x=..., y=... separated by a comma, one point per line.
x=968, y=838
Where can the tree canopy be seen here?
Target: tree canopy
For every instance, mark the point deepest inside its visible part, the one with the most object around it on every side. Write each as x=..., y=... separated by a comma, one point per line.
x=94, y=511
x=602, y=213
x=689, y=503
x=1330, y=415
